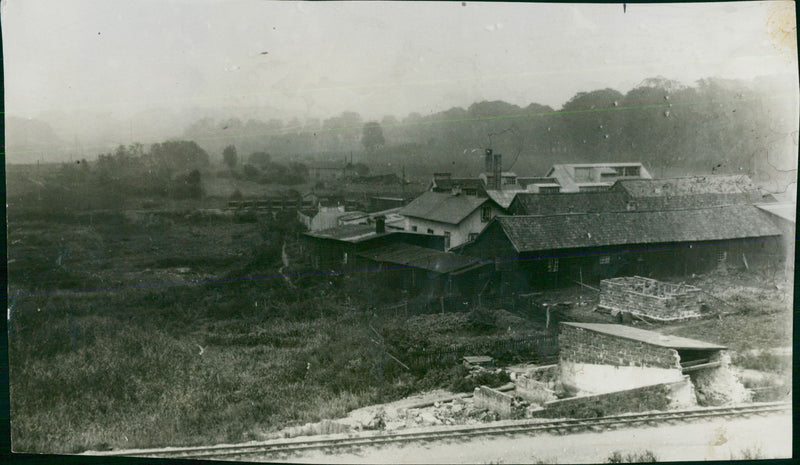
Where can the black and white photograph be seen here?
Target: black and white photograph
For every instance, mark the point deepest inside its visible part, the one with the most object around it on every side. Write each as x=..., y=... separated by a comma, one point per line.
x=400, y=232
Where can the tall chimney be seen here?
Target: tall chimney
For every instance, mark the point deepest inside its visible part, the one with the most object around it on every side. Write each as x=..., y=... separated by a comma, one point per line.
x=488, y=162
x=498, y=171
x=380, y=224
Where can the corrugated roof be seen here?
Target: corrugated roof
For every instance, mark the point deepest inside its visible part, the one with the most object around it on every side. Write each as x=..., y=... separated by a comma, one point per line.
x=571, y=202
x=648, y=337
x=421, y=257
x=348, y=233
x=443, y=207
x=533, y=233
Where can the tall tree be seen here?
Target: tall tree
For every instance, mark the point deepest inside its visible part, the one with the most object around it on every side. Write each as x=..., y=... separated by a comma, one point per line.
x=229, y=156
x=372, y=137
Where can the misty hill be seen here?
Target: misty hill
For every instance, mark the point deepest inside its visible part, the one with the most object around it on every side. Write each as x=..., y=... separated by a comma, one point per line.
x=720, y=125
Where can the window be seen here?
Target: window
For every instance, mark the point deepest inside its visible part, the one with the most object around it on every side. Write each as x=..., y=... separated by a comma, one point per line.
x=486, y=214
x=605, y=260
x=413, y=228
x=447, y=239
x=473, y=236
x=344, y=259
x=430, y=231
x=552, y=265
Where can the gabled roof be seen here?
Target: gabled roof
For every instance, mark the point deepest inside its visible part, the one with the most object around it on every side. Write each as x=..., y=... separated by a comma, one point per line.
x=689, y=185
x=573, y=202
x=503, y=197
x=443, y=207
x=566, y=231
x=648, y=337
x=422, y=257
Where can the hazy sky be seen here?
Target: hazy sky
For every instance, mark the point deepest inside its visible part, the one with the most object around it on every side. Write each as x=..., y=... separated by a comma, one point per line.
x=82, y=65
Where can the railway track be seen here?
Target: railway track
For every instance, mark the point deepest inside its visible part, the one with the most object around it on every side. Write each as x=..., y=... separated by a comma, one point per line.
x=283, y=447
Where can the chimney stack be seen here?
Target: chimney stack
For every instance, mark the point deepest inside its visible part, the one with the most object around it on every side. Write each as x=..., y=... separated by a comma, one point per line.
x=380, y=224
x=488, y=162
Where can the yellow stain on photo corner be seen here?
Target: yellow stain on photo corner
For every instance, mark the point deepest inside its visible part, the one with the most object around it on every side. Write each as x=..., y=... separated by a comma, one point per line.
x=782, y=28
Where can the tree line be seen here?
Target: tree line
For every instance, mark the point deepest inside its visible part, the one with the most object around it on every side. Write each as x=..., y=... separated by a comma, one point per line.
x=724, y=125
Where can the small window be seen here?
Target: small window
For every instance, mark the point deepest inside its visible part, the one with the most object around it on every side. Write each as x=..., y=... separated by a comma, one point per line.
x=430, y=231
x=605, y=260
x=486, y=214
x=447, y=239
x=413, y=228
x=344, y=258
x=473, y=236
x=552, y=265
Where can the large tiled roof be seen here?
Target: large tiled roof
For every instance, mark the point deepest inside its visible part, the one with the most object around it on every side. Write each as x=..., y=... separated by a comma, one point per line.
x=689, y=185
x=414, y=256
x=443, y=207
x=566, y=231
x=572, y=202
x=648, y=337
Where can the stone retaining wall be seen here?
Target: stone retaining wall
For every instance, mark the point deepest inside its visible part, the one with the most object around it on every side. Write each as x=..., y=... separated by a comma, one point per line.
x=585, y=346
x=655, y=397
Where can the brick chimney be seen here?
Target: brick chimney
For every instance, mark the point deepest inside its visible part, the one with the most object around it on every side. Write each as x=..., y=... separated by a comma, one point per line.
x=380, y=224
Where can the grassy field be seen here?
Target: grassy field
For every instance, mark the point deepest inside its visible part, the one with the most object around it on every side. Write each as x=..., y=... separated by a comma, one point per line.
x=161, y=329
x=133, y=329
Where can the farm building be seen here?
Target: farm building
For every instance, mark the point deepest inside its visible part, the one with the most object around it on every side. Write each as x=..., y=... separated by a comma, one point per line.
x=334, y=248
x=554, y=250
x=446, y=183
x=783, y=215
x=423, y=270
x=456, y=217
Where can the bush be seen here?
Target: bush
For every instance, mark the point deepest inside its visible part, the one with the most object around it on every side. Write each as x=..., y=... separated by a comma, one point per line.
x=635, y=457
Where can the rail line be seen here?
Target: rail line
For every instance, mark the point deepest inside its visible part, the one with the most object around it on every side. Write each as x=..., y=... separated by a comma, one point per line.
x=284, y=447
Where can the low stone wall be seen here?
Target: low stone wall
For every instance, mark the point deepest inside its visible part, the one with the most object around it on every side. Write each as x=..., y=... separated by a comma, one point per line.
x=534, y=391
x=650, y=298
x=654, y=397
x=492, y=399
x=585, y=346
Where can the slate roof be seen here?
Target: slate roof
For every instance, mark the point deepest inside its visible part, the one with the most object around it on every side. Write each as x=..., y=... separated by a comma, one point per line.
x=571, y=202
x=421, y=257
x=648, y=337
x=533, y=233
x=443, y=207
